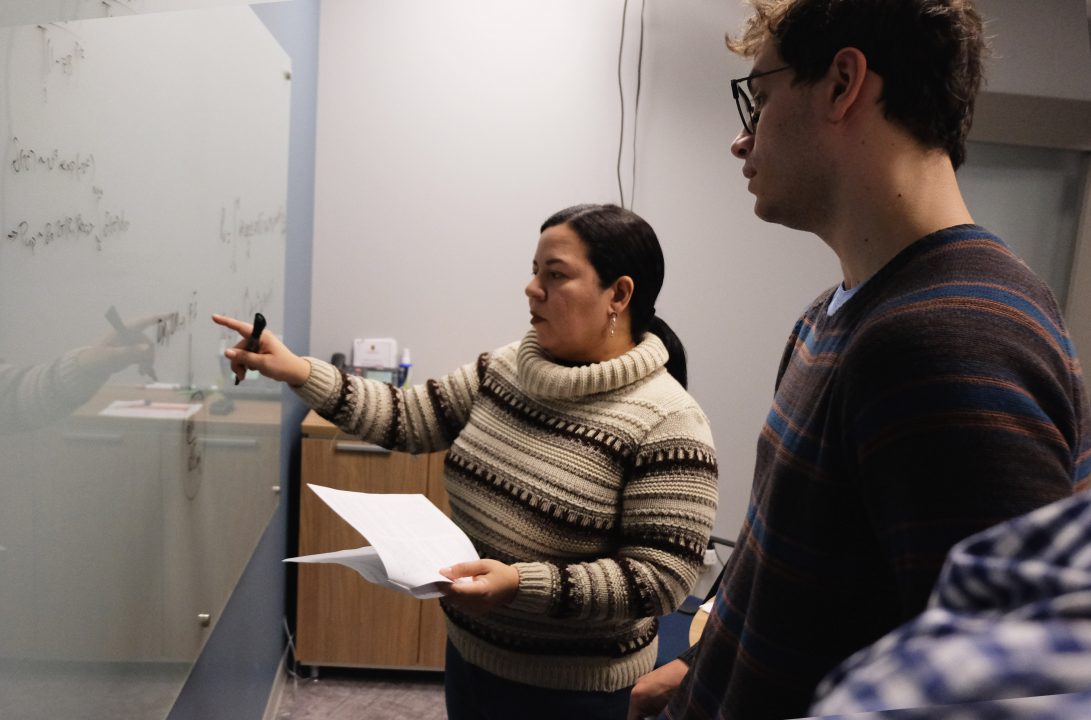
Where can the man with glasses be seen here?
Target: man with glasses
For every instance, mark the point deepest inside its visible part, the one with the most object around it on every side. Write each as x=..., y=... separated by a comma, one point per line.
x=933, y=393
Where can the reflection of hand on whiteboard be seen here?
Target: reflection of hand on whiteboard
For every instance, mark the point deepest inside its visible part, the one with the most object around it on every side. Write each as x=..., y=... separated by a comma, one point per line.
x=32, y=396
x=127, y=344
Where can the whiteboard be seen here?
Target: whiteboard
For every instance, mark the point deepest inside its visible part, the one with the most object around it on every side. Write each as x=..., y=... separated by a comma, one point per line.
x=25, y=12
x=144, y=168
x=143, y=177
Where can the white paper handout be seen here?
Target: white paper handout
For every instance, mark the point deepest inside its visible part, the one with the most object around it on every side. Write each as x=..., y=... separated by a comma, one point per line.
x=411, y=539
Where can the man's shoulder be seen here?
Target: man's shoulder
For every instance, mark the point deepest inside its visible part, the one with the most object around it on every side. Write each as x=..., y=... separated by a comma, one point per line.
x=963, y=261
x=964, y=276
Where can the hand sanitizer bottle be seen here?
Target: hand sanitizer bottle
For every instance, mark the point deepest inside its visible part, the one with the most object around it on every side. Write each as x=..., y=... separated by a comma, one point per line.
x=403, y=368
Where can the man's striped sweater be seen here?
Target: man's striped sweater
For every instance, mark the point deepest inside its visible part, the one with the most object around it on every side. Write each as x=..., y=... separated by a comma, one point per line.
x=943, y=398
x=599, y=483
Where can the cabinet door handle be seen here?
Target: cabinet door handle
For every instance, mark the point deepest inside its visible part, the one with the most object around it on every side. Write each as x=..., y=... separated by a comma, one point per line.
x=93, y=437
x=229, y=442
x=358, y=446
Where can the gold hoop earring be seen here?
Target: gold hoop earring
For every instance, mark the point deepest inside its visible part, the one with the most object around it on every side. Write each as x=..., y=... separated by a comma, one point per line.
x=613, y=324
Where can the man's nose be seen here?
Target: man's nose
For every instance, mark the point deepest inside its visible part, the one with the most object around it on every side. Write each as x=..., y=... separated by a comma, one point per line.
x=742, y=144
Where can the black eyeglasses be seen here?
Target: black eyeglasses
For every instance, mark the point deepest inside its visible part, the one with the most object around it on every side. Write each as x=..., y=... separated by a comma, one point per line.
x=740, y=90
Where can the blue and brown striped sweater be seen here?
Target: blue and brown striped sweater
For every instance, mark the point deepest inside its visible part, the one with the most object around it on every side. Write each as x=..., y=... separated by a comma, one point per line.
x=943, y=398
x=597, y=482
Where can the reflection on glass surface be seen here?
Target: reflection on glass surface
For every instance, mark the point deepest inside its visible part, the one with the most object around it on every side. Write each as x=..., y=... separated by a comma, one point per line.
x=142, y=188
x=26, y=12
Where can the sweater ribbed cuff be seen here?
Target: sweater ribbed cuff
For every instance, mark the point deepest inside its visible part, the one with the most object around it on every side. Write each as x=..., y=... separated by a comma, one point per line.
x=70, y=373
x=535, y=594
x=320, y=384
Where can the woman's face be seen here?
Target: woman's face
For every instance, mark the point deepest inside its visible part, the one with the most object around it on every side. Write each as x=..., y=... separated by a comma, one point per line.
x=568, y=308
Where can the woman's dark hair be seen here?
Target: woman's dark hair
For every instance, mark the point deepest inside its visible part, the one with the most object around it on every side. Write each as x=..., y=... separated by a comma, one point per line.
x=619, y=242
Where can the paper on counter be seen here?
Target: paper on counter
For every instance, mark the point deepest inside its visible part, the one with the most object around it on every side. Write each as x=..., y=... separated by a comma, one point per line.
x=411, y=539
x=151, y=409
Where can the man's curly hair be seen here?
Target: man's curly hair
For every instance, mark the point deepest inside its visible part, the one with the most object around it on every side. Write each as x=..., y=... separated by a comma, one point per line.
x=930, y=54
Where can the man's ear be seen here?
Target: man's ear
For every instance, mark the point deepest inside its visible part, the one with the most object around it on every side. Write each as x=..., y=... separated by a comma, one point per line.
x=845, y=80
x=622, y=293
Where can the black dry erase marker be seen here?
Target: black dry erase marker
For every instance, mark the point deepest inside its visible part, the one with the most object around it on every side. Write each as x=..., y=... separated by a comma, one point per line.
x=253, y=343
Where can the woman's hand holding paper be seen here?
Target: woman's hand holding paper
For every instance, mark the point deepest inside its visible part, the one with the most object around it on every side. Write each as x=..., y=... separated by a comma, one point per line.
x=493, y=584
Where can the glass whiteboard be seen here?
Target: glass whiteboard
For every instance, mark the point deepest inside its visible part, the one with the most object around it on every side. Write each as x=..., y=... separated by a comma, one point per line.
x=142, y=188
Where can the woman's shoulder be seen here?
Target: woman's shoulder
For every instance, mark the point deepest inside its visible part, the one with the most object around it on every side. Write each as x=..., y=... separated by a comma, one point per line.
x=677, y=414
x=510, y=350
x=665, y=394
x=503, y=357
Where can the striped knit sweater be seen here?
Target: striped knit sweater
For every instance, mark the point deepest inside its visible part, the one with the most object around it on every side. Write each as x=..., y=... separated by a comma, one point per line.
x=943, y=398
x=599, y=483
x=33, y=396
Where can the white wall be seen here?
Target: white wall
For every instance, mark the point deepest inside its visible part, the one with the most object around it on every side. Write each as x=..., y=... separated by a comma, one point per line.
x=448, y=131
x=1039, y=48
x=1032, y=196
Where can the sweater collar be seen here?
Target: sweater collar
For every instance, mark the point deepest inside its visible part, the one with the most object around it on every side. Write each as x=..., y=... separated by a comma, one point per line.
x=541, y=377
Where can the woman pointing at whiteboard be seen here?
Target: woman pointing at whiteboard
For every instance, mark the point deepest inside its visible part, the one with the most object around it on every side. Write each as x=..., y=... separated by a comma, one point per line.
x=577, y=463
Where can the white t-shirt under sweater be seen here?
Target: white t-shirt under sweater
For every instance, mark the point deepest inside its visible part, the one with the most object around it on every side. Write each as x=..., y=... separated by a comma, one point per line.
x=597, y=482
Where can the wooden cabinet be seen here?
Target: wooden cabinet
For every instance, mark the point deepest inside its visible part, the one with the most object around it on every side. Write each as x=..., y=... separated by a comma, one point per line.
x=341, y=619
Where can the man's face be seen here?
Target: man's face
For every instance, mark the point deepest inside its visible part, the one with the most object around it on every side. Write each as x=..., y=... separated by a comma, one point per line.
x=781, y=159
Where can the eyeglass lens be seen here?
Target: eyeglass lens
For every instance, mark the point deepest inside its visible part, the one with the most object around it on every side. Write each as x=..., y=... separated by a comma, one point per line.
x=744, y=105
x=746, y=110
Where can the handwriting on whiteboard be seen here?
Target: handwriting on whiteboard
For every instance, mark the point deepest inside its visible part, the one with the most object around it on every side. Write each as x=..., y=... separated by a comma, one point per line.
x=234, y=225
x=237, y=227
x=69, y=227
x=97, y=226
x=26, y=160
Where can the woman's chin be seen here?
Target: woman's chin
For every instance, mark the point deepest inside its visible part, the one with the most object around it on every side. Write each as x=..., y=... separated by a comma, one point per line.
x=548, y=346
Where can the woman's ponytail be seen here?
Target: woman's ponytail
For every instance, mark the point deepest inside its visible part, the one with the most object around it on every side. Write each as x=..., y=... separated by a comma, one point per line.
x=676, y=363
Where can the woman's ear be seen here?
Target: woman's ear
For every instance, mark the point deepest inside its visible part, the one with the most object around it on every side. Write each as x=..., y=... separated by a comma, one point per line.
x=845, y=79
x=622, y=293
